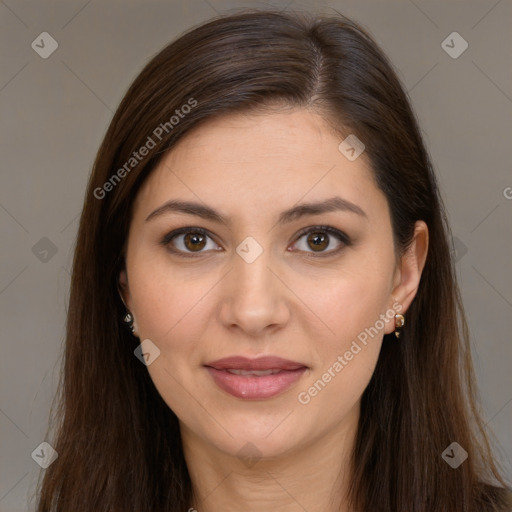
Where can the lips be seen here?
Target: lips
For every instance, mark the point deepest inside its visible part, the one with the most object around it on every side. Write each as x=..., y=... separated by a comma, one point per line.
x=255, y=379
x=262, y=363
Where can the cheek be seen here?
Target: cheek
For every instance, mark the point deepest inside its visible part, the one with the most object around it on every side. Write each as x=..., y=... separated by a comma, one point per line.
x=345, y=354
x=169, y=313
x=351, y=307
x=347, y=305
x=172, y=311
x=165, y=300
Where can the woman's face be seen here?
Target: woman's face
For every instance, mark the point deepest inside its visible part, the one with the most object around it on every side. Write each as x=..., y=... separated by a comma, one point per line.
x=265, y=280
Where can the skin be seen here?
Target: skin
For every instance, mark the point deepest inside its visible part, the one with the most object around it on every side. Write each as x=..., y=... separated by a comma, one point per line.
x=289, y=303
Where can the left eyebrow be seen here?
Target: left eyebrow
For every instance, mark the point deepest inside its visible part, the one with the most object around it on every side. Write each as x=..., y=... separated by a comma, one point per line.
x=193, y=208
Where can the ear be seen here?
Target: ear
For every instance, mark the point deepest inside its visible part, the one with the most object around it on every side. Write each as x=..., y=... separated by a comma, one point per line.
x=409, y=270
x=124, y=289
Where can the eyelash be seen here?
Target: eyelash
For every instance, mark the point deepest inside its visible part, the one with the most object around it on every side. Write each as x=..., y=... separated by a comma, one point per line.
x=342, y=237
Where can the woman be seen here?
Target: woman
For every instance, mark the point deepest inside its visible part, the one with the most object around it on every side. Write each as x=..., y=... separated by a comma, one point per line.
x=264, y=218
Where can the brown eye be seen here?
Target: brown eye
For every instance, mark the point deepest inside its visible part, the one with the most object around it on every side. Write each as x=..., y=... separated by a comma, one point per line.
x=318, y=239
x=194, y=241
x=186, y=241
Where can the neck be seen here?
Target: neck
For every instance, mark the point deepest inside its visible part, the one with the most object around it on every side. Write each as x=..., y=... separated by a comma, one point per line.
x=312, y=477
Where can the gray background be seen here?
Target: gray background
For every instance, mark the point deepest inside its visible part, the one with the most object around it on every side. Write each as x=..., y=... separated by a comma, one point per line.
x=55, y=112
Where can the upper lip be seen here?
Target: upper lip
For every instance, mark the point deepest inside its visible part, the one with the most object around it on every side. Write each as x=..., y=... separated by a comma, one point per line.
x=261, y=363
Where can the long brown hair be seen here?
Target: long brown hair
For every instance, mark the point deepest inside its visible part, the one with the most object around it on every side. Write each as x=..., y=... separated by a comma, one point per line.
x=118, y=442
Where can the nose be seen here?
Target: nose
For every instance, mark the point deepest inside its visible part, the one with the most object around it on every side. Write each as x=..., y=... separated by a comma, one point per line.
x=254, y=297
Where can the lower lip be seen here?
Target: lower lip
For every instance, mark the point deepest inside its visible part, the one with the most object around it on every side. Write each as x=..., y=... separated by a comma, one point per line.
x=252, y=387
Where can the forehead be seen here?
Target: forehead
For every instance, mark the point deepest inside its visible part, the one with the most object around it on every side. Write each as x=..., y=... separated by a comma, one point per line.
x=260, y=160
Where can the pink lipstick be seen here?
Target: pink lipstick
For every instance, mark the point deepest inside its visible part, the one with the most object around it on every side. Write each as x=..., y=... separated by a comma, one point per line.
x=255, y=379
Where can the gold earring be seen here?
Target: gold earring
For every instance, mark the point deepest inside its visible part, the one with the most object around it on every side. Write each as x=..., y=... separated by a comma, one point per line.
x=399, y=323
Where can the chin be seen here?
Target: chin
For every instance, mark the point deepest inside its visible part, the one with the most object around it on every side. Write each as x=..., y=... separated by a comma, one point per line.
x=268, y=439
